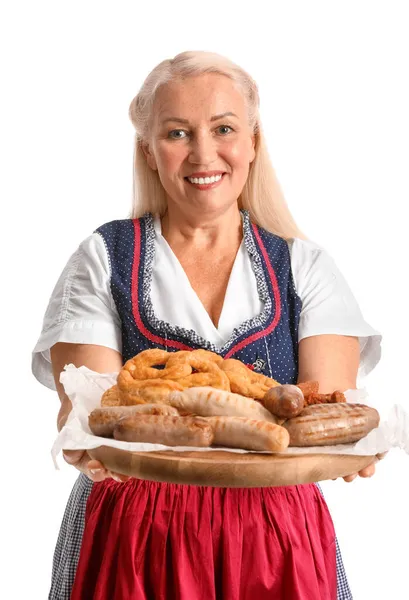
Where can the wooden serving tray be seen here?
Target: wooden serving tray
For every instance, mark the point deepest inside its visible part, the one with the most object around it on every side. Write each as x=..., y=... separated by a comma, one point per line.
x=229, y=469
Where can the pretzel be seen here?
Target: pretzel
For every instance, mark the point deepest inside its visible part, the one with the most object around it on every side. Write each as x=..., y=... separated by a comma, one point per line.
x=150, y=390
x=136, y=391
x=142, y=366
x=246, y=382
x=208, y=374
x=111, y=397
x=139, y=381
x=180, y=357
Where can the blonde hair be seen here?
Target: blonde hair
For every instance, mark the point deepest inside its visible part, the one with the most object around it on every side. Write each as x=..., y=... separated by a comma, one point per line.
x=261, y=195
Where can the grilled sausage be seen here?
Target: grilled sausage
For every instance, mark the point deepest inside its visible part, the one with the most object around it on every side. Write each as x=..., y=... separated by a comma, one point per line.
x=249, y=434
x=328, y=424
x=167, y=430
x=209, y=402
x=284, y=401
x=102, y=420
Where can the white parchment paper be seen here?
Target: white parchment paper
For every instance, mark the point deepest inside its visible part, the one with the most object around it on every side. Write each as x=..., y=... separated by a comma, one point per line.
x=85, y=388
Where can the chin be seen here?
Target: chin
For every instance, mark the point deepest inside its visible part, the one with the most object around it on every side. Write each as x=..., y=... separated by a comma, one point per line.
x=212, y=205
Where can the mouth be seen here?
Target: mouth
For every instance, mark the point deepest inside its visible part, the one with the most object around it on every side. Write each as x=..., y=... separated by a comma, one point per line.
x=204, y=183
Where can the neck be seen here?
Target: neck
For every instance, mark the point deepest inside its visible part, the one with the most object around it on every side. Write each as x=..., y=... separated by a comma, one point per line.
x=202, y=230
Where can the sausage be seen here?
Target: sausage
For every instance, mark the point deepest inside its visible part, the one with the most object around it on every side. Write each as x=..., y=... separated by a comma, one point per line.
x=328, y=424
x=309, y=387
x=336, y=396
x=249, y=434
x=164, y=429
x=102, y=420
x=284, y=401
x=209, y=402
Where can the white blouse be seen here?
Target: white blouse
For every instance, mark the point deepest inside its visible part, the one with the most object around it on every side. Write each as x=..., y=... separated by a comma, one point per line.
x=81, y=309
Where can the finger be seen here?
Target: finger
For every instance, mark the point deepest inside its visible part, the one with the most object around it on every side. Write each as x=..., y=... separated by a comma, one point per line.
x=78, y=459
x=119, y=477
x=122, y=477
x=382, y=455
x=72, y=457
x=96, y=471
x=350, y=478
x=97, y=475
x=368, y=471
x=95, y=465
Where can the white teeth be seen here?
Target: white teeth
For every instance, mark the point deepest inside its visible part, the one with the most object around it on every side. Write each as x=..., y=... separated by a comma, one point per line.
x=205, y=180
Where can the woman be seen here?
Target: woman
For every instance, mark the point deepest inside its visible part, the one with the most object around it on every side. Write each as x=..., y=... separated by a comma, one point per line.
x=211, y=259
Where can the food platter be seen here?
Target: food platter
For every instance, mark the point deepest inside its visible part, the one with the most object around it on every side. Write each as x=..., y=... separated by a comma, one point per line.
x=238, y=408
x=230, y=469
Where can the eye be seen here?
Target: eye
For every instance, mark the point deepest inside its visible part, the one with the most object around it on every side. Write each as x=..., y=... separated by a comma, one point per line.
x=173, y=134
x=224, y=127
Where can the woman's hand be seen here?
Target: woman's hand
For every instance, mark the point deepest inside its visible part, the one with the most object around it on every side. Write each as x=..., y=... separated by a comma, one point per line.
x=95, y=470
x=96, y=358
x=367, y=472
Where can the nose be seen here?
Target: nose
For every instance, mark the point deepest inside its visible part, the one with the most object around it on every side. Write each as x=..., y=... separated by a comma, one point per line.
x=203, y=149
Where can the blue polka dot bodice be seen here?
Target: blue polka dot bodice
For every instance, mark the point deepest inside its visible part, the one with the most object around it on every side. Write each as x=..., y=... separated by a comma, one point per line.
x=268, y=343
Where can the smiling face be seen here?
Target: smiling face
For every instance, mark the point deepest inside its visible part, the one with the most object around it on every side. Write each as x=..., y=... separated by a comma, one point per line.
x=200, y=143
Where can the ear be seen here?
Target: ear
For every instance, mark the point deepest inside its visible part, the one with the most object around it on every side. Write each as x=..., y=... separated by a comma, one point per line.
x=150, y=158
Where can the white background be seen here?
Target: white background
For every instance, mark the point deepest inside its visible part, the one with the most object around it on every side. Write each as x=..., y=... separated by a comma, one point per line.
x=333, y=82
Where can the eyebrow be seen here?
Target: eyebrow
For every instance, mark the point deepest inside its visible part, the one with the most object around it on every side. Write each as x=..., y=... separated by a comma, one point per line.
x=214, y=118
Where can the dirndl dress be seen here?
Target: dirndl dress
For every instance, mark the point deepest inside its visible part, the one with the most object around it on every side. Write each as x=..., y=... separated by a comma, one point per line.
x=151, y=540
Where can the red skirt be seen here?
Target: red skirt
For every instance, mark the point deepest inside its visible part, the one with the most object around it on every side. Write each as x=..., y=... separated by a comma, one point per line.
x=159, y=541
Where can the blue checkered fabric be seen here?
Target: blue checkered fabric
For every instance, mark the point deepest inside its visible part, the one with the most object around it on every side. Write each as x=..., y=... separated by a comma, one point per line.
x=343, y=591
x=67, y=550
